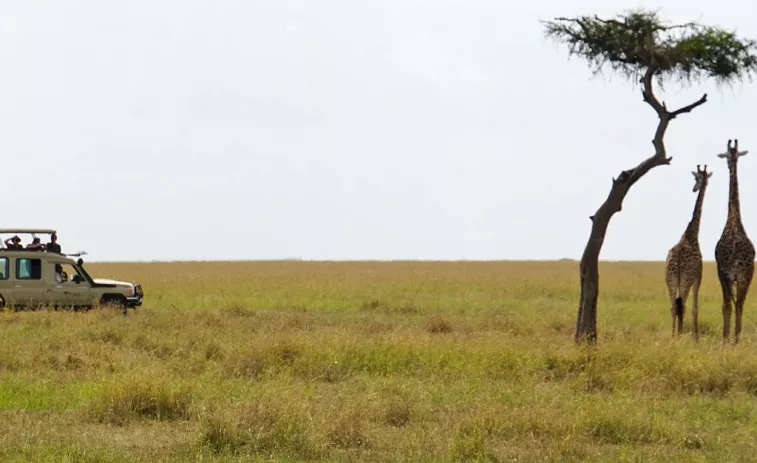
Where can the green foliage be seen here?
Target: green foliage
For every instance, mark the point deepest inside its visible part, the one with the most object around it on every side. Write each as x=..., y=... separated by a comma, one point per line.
x=639, y=40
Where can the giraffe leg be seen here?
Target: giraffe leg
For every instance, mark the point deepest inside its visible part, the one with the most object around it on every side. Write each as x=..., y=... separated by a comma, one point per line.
x=695, y=307
x=725, y=286
x=682, y=311
x=742, y=289
x=672, y=295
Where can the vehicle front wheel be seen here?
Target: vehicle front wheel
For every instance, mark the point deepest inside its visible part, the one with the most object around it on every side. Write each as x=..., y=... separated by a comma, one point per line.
x=116, y=302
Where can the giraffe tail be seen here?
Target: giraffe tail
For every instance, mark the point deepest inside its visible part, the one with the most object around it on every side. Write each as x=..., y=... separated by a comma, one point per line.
x=731, y=291
x=679, y=307
x=728, y=286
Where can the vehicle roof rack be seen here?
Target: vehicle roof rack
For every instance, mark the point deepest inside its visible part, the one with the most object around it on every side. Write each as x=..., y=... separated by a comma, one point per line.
x=33, y=232
x=41, y=231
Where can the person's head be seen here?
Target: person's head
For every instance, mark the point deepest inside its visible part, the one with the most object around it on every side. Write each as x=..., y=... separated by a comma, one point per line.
x=35, y=241
x=53, y=238
x=16, y=239
x=58, y=268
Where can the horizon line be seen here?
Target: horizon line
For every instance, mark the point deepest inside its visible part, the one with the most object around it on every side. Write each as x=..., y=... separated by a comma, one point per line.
x=371, y=260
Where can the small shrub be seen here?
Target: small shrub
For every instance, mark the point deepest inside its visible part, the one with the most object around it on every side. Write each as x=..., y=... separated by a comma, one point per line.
x=370, y=305
x=213, y=351
x=438, y=325
x=286, y=354
x=397, y=414
x=347, y=433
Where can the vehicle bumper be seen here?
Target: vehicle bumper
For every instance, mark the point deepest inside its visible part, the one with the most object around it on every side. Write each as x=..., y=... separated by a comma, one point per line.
x=136, y=299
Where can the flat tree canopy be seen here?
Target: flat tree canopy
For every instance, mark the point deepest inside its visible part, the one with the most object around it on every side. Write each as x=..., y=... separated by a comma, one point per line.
x=640, y=45
x=639, y=41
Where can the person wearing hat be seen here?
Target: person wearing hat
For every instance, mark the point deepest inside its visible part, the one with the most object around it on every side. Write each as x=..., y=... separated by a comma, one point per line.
x=14, y=243
x=53, y=245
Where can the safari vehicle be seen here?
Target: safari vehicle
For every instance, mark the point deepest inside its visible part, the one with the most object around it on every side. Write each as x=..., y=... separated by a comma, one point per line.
x=33, y=278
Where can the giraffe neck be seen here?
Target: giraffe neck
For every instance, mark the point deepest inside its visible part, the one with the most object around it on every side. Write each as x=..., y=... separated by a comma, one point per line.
x=734, y=207
x=692, y=231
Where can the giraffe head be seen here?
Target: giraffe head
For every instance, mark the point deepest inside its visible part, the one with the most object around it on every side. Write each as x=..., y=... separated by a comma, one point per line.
x=700, y=178
x=732, y=153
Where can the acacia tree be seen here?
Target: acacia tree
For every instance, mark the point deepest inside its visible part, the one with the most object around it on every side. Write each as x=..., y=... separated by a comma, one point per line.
x=640, y=45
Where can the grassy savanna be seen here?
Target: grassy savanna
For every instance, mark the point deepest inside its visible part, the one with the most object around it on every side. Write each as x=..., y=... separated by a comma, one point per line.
x=293, y=361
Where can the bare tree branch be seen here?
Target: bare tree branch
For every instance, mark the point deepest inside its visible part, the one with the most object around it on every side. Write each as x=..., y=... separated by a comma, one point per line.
x=688, y=108
x=647, y=91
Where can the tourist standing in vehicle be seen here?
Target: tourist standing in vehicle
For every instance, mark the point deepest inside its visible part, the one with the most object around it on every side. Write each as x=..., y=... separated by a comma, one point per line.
x=53, y=245
x=35, y=245
x=14, y=243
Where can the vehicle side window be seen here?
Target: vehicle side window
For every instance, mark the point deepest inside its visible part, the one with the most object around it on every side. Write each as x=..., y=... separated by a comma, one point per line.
x=4, y=268
x=67, y=272
x=28, y=269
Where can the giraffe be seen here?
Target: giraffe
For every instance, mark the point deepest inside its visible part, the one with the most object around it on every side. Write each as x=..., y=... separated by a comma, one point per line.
x=684, y=262
x=734, y=252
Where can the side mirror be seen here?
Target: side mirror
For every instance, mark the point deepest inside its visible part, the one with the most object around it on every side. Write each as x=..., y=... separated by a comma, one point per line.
x=78, y=279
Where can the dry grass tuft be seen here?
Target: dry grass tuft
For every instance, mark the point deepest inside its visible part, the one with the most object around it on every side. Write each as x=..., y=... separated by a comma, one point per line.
x=438, y=325
x=142, y=398
x=260, y=428
x=347, y=432
x=398, y=414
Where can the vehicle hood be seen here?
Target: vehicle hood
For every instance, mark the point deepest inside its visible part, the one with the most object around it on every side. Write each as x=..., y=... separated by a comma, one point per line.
x=106, y=281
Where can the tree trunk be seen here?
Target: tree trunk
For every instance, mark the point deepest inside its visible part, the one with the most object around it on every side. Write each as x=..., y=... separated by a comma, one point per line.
x=586, y=323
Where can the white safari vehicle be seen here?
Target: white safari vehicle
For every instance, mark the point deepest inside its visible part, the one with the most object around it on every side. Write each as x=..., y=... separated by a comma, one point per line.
x=37, y=274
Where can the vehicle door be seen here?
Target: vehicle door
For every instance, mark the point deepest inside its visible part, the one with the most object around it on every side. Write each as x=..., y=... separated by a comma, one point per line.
x=78, y=292
x=55, y=293
x=72, y=289
x=6, y=283
x=29, y=287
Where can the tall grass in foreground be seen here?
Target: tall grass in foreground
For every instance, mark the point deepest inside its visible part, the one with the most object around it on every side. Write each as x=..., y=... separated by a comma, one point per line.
x=294, y=361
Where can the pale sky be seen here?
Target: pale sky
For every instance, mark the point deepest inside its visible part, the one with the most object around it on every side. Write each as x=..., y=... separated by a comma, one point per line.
x=399, y=129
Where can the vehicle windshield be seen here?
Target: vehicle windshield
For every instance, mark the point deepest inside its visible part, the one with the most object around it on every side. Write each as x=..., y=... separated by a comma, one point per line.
x=83, y=273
